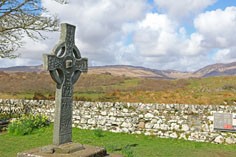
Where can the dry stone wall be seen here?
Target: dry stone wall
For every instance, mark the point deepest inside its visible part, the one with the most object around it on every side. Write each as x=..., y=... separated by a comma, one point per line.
x=182, y=121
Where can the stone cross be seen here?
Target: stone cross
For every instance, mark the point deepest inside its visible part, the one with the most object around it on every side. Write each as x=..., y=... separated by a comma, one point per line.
x=65, y=66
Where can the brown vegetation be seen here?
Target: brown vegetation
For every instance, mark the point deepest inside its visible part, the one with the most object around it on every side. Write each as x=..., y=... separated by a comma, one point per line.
x=106, y=87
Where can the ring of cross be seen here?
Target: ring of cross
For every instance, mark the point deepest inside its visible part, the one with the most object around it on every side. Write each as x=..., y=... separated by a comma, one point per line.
x=58, y=74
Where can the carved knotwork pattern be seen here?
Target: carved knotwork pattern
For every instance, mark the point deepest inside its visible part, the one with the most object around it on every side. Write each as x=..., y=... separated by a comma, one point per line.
x=81, y=65
x=54, y=63
x=66, y=115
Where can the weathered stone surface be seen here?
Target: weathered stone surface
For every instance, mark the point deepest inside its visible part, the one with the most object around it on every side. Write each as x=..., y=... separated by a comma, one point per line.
x=183, y=136
x=164, y=127
x=156, y=126
x=87, y=151
x=103, y=113
x=230, y=140
x=174, y=126
x=174, y=135
x=160, y=133
x=148, y=125
x=154, y=121
x=205, y=127
x=65, y=65
x=149, y=115
x=141, y=125
x=92, y=121
x=110, y=117
x=126, y=125
x=219, y=139
x=66, y=148
x=125, y=130
x=125, y=110
x=185, y=127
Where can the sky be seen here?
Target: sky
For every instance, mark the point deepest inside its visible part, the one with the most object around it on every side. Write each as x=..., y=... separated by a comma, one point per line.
x=181, y=35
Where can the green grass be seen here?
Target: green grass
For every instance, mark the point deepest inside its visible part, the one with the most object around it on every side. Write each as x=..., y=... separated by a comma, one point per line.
x=25, y=96
x=93, y=96
x=212, y=82
x=128, y=83
x=121, y=143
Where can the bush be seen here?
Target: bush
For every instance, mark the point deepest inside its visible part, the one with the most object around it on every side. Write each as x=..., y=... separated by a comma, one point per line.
x=111, y=97
x=82, y=98
x=26, y=124
x=39, y=96
x=5, y=116
x=229, y=87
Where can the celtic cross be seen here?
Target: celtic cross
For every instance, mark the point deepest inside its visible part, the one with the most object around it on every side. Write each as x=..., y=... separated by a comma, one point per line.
x=65, y=66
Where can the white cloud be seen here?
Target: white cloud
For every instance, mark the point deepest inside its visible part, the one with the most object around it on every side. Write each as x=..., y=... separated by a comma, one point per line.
x=217, y=27
x=193, y=45
x=159, y=39
x=222, y=55
x=157, y=36
x=126, y=32
x=183, y=8
x=157, y=22
x=225, y=55
x=34, y=49
x=99, y=24
x=5, y=62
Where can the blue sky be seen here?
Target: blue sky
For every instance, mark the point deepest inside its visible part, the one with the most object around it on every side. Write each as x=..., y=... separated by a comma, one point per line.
x=160, y=34
x=221, y=4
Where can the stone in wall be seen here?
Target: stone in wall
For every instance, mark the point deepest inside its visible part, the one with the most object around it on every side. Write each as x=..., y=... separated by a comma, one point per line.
x=182, y=121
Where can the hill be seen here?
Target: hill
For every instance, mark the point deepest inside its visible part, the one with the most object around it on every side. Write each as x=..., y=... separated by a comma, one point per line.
x=23, y=68
x=219, y=69
x=128, y=71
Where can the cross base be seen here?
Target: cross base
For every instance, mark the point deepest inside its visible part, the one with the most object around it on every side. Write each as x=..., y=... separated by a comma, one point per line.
x=67, y=150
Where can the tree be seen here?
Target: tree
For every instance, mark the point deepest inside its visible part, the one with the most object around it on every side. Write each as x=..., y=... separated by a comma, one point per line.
x=19, y=18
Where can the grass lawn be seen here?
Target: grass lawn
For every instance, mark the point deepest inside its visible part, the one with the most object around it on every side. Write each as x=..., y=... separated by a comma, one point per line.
x=121, y=143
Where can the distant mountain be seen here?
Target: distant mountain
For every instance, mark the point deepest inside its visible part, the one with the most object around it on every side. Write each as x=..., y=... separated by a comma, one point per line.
x=141, y=72
x=217, y=70
x=127, y=70
x=23, y=68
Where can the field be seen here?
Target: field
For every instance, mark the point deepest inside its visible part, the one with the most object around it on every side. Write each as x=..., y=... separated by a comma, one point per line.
x=106, y=87
x=121, y=143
